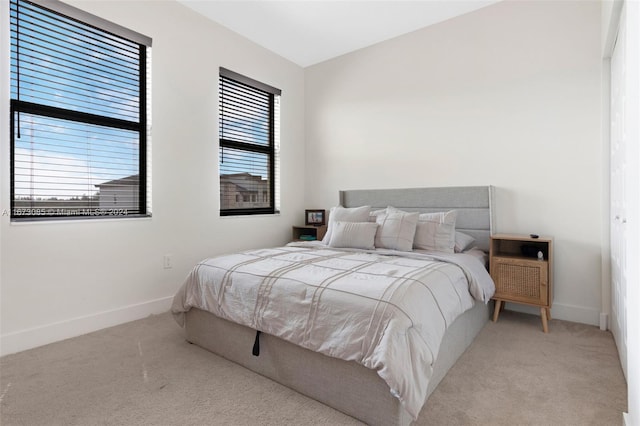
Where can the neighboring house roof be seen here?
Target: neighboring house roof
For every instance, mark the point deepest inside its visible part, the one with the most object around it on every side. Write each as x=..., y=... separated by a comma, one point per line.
x=129, y=180
x=244, y=181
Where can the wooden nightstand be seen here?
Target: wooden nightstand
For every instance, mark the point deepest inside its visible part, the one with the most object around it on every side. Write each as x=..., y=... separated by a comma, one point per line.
x=519, y=275
x=313, y=232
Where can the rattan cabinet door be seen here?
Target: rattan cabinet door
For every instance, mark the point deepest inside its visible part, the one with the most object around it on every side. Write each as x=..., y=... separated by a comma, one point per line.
x=521, y=280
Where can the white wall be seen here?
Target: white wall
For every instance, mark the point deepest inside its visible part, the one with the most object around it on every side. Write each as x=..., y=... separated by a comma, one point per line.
x=63, y=279
x=509, y=95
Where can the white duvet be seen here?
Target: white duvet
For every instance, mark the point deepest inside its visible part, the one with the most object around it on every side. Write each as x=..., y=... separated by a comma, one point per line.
x=383, y=309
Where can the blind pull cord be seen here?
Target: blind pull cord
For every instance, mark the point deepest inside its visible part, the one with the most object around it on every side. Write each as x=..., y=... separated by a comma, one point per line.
x=222, y=128
x=18, y=64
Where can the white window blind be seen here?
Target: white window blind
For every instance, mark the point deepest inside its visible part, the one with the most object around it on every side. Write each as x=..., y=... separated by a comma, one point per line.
x=79, y=118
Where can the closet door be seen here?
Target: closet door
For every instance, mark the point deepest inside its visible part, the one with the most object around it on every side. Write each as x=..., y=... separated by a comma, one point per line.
x=618, y=189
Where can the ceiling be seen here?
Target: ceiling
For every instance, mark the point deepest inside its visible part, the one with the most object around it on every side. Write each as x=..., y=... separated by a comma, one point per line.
x=309, y=32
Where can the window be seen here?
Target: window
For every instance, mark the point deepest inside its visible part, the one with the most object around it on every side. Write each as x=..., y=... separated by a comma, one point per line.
x=249, y=113
x=79, y=118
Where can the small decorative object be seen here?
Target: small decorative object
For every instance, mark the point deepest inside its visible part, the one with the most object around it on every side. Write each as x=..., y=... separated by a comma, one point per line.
x=531, y=250
x=314, y=217
x=540, y=255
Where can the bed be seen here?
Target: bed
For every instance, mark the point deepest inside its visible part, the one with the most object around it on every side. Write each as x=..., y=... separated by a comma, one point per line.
x=364, y=377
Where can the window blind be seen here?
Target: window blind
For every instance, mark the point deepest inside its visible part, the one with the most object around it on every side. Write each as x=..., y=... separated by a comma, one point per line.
x=248, y=153
x=78, y=117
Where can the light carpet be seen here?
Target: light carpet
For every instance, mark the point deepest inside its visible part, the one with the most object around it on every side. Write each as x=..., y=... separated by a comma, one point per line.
x=145, y=373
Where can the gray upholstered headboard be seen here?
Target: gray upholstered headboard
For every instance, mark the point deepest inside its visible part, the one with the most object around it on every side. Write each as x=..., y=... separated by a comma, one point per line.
x=473, y=203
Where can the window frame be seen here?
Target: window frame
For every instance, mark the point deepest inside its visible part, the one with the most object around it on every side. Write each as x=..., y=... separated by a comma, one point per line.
x=270, y=149
x=141, y=125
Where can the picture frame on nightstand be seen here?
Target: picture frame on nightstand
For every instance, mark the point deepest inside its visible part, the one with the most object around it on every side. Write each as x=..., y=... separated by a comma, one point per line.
x=315, y=217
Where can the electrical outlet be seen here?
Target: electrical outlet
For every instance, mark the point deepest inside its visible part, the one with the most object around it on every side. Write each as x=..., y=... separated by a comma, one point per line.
x=167, y=261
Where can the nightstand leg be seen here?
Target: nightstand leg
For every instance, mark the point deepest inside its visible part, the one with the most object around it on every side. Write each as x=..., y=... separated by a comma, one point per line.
x=543, y=315
x=496, y=310
x=549, y=314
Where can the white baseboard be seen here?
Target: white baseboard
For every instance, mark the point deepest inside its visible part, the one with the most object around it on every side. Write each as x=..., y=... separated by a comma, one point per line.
x=564, y=312
x=38, y=336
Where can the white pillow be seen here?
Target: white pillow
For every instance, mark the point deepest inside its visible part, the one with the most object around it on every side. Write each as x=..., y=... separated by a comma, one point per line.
x=339, y=213
x=436, y=231
x=359, y=235
x=375, y=213
x=463, y=242
x=396, y=230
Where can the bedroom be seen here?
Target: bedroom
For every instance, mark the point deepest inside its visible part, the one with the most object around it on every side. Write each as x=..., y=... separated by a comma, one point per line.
x=509, y=95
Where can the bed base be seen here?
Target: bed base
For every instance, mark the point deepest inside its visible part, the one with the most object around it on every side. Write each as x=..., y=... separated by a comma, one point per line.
x=344, y=385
